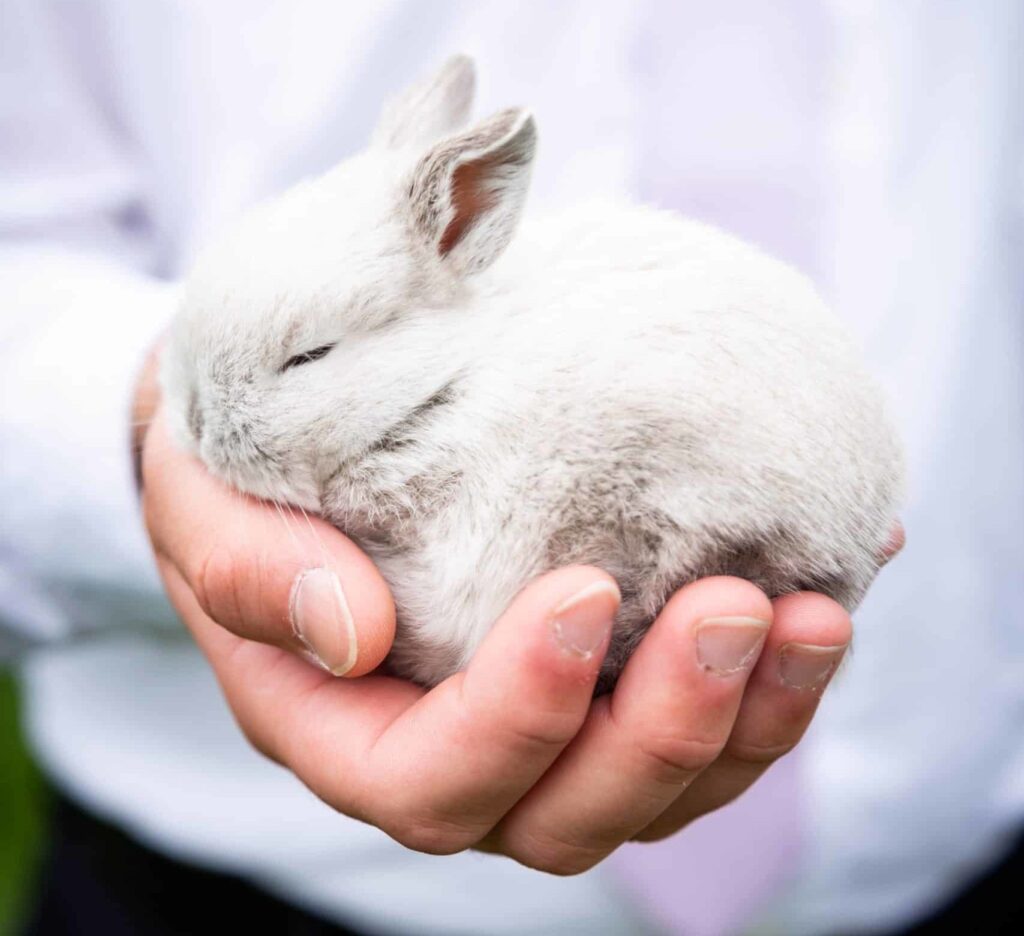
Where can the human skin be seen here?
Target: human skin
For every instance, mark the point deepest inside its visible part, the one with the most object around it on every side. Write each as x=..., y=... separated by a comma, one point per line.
x=513, y=755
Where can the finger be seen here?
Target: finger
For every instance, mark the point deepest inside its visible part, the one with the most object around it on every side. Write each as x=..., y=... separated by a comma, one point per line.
x=462, y=758
x=436, y=770
x=806, y=645
x=897, y=540
x=266, y=573
x=276, y=696
x=667, y=720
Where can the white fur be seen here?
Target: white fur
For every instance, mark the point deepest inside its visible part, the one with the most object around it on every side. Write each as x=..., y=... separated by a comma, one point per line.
x=621, y=387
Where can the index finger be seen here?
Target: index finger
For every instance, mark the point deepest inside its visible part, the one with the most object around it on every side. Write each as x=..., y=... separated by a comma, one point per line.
x=263, y=571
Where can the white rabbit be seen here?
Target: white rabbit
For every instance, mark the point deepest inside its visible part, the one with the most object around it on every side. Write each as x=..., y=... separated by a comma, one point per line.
x=620, y=387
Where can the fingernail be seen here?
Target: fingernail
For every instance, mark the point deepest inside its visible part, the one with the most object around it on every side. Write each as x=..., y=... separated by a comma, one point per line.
x=582, y=623
x=728, y=645
x=805, y=666
x=322, y=620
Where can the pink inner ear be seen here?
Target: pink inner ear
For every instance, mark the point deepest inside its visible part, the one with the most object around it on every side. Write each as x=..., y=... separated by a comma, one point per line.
x=470, y=198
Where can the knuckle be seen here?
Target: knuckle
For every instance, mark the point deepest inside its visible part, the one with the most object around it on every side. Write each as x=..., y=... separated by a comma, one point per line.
x=557, y=857
x=758, y=755
x=526, y=726
x=539, y=730
x=214, y=581
x=673, y=761
x=430, y=835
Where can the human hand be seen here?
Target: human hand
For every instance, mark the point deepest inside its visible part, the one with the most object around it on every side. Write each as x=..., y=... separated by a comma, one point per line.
x=513, y=755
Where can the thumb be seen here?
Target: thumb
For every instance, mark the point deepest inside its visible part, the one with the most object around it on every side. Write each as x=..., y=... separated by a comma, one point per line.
x=265, y=572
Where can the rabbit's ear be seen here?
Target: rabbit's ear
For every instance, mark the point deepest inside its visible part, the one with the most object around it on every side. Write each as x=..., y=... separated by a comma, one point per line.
x=468, y=192
x=429, y=110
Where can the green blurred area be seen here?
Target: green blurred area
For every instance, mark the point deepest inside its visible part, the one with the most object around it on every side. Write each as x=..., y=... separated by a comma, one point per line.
x=21, y=811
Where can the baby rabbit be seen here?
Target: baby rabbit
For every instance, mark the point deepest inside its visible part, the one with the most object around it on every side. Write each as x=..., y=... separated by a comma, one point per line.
x=618, y=387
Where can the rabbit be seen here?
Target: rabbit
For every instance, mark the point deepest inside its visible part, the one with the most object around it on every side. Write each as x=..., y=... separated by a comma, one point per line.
x=618, y=386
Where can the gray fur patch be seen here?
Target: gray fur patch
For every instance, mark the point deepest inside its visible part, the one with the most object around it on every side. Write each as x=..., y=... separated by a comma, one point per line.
x=407, y=429
x=390, y=502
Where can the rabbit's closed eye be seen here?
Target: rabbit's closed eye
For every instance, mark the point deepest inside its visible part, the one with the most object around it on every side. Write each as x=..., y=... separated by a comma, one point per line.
x=307, y=357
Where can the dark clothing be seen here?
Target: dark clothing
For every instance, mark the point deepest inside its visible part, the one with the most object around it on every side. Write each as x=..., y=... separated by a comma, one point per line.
x=97, y=880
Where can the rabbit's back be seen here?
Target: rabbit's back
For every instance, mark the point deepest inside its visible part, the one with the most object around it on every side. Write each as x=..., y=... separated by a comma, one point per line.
x=652, y=397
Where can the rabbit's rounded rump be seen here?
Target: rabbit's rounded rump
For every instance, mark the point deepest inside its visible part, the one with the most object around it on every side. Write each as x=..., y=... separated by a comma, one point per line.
x=646, y=395
x=620, y=387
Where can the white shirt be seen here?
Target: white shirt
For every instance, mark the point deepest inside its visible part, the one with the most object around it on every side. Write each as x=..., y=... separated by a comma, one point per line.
x=879, y=146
